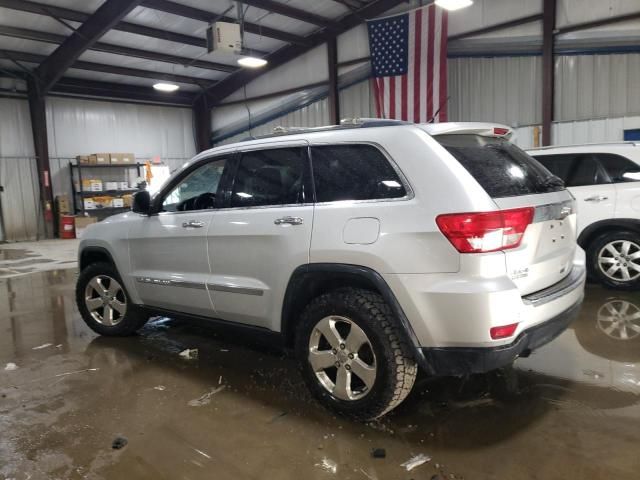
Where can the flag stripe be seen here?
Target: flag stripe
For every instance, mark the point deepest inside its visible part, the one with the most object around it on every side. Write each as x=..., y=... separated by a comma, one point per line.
x=429, y=91
x=443, y=116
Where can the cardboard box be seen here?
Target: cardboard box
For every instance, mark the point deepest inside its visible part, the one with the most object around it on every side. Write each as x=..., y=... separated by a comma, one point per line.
x=117, y=202
x=62, y=204
x=82, y=223
x=103, y=202
x=83, y=159
x=123, y=158
x=123, y=186
x=89, y=203
x=103, y=158
x=111, y=185
x=95, y=185
x=127, y=200
x=93, y=158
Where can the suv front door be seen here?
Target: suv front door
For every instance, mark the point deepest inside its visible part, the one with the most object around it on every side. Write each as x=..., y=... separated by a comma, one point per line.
x=168, y=250
x=262, y=234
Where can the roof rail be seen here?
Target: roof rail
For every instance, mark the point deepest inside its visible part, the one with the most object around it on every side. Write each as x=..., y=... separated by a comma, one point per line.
x=345, y=124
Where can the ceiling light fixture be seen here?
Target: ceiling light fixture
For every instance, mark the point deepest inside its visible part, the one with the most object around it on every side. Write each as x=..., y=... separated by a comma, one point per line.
x=452, y=5
x=166, y=87
x=252, y=62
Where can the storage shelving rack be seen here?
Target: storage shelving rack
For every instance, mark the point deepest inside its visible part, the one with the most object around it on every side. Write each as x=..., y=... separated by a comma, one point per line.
x=78, y=196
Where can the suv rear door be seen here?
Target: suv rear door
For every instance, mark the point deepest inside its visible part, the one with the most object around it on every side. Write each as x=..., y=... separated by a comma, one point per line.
x=515, y=180
x=625, y=175
x=262, y=234
x=589, y=183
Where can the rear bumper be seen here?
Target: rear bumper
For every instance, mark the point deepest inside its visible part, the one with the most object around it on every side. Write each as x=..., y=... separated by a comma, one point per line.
x=443, y=361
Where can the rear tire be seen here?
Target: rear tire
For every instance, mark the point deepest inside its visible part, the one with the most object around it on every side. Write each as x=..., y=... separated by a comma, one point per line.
x=361, y=366
x=104, y=303
x=611, y=259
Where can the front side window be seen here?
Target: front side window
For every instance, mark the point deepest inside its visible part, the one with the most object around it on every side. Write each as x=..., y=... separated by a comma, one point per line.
x=619, y=168
x=353, y=172
x=197, y=191
x=576, y=170
x=270, y=178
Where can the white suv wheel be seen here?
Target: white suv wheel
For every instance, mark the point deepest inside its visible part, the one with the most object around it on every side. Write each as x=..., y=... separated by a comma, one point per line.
x=620, y=260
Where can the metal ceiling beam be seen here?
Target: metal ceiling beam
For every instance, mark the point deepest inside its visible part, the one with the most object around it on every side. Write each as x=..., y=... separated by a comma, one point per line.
x=76, y=16
x=237, y=80
x=100, y=22
x=174, y=8
x=500, y=26
x=92, y=88
x=55, y=38
x=114, y=69
x=597, y=23
x=291, y=12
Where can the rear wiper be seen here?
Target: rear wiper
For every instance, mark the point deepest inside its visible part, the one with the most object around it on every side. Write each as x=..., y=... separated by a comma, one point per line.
x=552, y=181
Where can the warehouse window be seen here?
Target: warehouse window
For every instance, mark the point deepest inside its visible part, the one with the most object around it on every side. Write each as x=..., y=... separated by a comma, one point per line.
x=353, y=172
x=270, y=177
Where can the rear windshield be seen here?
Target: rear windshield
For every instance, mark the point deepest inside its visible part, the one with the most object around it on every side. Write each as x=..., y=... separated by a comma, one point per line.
x=500, y=167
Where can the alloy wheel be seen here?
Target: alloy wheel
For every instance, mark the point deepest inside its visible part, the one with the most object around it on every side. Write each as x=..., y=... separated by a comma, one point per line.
x=105, y=300
x=620, y=260
x=342, y=358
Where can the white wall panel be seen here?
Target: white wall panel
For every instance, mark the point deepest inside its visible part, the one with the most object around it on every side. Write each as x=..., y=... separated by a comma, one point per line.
x=21, y=212
x=591, y=86
x=79, y=127
x=357, y=101
x=580, y=11
x=505, y=89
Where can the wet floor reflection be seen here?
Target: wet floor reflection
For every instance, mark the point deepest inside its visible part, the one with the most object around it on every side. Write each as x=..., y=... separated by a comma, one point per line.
x=571, y=410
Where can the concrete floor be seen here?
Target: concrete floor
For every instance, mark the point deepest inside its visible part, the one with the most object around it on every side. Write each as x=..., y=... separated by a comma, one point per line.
x=571, y=410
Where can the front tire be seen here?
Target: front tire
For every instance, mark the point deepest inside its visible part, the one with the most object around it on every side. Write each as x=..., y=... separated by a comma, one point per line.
x=104, y=303
x=352, y=355
x=614, y=260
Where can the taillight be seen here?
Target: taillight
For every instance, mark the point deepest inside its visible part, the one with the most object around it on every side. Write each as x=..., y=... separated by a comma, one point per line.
x=485, y=231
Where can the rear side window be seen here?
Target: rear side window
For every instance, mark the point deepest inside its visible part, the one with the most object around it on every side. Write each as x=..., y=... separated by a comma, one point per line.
x=576, y=170
x=619, y=168
x=353, y=172
x=270, y=178
x=500, y=167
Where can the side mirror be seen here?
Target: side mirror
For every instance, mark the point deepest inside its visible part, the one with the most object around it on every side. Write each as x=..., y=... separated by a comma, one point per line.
x=141, y=202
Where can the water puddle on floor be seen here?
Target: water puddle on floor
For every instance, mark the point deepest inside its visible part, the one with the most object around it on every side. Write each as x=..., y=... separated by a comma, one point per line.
x=240, y=410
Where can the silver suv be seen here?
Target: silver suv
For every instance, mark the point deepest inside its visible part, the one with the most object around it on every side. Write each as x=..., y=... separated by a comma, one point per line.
x=371, y=249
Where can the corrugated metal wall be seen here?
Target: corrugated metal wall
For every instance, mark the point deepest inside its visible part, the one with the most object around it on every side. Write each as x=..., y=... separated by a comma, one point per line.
x=20, y=213
x=505, y=89
x=79, y=127
x=594, y=86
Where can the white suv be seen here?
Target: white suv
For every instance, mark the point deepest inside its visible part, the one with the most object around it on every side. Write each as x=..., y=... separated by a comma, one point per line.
x=605, y=180
x=371, y=249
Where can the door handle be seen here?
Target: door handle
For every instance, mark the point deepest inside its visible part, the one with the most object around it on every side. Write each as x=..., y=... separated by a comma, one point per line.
x=193, y=224
x=596, y=198
x=289, y=221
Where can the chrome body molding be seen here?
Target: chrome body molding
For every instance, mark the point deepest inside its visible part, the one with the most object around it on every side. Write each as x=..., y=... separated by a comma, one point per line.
x=171, y=282
x=234, y=289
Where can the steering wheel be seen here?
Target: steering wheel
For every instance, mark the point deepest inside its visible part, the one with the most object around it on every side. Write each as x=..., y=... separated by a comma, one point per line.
x=204, y=201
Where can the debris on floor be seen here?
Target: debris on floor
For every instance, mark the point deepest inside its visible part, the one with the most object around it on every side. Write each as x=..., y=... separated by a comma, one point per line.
x=160, y=387
x=11, y=366
x=416, y=461
x=44, y=345
x=189, y=354
x=205, y=399
x=119, y=442
x=327, y=465
x=378, y=453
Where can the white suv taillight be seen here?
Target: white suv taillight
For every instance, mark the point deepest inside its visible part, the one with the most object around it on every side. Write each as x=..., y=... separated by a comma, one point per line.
x=485, y=231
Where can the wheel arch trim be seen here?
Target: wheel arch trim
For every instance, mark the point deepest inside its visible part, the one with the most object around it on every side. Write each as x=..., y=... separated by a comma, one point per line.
x=304, y=274
x=591, y=232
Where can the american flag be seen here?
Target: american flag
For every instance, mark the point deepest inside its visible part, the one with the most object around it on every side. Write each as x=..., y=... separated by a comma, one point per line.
x=409, y=64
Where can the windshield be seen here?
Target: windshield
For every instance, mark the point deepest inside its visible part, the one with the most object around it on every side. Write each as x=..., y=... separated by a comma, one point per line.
x=500, y=167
